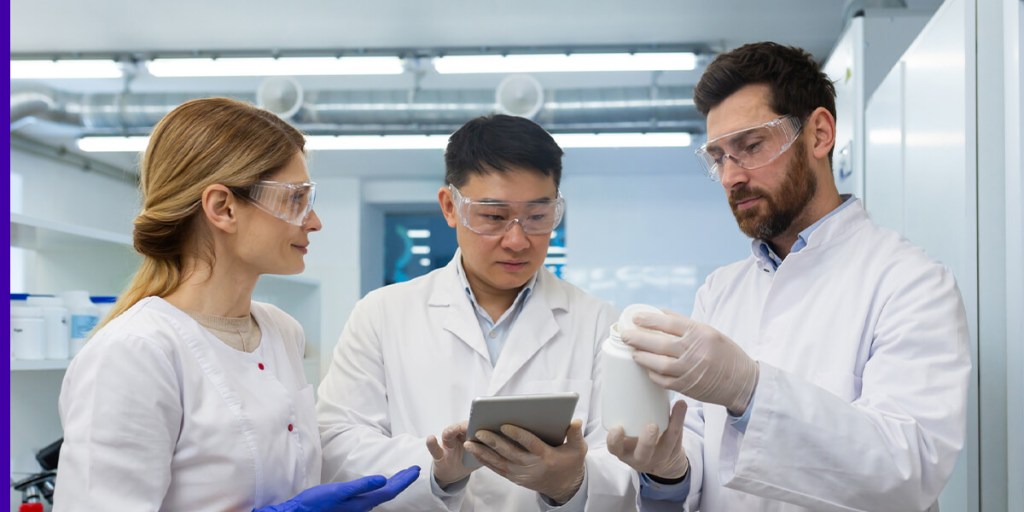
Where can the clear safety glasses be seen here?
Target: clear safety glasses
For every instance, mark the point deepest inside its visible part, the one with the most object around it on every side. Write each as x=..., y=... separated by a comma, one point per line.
x=749, y=148
x=290, y=202
x=497, y=217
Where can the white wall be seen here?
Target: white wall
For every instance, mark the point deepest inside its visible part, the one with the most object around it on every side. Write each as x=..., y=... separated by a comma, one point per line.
x=868, y=48
x=1014, y=47
x=944, y=130
x=56, y=191
x=334, y=256
x=649, y=237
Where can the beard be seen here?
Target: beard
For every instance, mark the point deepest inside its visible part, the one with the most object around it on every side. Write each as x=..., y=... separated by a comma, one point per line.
x=779, y=210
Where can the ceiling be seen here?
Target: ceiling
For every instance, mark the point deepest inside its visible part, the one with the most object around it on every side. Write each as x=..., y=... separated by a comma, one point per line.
x=145, y=29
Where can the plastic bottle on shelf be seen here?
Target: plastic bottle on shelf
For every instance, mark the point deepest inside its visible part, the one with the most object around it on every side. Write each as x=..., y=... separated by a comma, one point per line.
x=28, y=333
x=57, y=319
x=105, y=303
x=17, y=300
x=84, y=317
x=631, y=400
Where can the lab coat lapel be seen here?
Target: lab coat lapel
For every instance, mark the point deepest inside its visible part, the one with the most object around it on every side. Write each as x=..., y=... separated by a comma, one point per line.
x=535, y=327
x=451, y=302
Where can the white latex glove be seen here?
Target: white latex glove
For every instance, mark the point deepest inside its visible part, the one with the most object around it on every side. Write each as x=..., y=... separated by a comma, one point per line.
x=693, y=359
x=525, y=460
x=662, y=455
x=447, y=455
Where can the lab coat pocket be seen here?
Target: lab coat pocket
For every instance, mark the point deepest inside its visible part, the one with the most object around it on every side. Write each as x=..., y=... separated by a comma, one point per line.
x=844, y=385
x=581, y=387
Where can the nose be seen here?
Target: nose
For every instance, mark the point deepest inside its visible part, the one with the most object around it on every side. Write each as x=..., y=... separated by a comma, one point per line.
x=515, y=238
x=731, y=174
x=312, y=222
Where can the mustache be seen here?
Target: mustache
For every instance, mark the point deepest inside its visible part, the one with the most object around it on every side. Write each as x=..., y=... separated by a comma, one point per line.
x=742, y=194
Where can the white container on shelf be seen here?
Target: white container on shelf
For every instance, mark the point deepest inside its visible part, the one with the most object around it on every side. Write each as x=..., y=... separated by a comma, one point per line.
x=105, y=303
x=630, y=400
x=84, y=317
x=57, y=318
x=17, y=300
x=28, y=333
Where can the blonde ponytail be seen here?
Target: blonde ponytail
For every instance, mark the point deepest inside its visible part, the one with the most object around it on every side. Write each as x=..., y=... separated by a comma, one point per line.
x=199, y=143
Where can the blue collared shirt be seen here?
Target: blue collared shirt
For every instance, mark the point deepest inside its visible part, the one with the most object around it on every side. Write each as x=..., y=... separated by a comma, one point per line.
x=496, y=332
x=762, y=248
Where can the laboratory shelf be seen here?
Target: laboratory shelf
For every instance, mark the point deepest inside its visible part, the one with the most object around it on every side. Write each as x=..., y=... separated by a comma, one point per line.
x=32, y=232
x=41, y=364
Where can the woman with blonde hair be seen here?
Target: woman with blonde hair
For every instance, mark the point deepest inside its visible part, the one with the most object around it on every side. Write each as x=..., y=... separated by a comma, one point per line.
x=192, y=396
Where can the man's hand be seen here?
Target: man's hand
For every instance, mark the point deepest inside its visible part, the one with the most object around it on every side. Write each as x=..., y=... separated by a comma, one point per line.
x=525, y=460
x=662, y=455
x=447, y=455
x=693, y=359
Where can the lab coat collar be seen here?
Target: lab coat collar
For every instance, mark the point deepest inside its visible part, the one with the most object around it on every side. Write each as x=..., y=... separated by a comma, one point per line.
x=849, y=218
x=459, y=318
x=534, y=327
x=846, y=219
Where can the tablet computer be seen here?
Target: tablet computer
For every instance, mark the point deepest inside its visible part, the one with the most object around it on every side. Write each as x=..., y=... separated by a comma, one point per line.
x=546, y=415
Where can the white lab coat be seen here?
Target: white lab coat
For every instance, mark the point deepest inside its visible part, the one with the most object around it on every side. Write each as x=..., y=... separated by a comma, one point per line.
x=159, y=414
x=410, y=361
x=864, y=362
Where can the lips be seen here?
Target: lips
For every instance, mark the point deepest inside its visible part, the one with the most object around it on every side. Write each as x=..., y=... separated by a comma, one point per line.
x=512, y=265
x=745, y=203
x=303, y=248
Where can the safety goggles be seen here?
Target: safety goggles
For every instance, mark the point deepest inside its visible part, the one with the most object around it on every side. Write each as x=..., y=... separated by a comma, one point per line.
x=497, y=217
x=749, y=148
x=290, y=202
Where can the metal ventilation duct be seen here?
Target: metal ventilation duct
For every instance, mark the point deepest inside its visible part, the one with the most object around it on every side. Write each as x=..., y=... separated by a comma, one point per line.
x=378, y=111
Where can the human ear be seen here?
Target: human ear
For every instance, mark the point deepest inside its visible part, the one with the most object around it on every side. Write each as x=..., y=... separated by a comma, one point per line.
x=447, y=202
x=822, y=125
x=219, y=207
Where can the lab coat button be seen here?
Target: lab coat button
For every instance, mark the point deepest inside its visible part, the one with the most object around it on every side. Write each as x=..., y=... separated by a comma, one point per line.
x=260, y=365
x=494, y=334
x=290, y=427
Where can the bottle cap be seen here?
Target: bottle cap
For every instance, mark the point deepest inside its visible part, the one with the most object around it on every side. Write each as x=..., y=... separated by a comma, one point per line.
x=45, y=300
x=626, y=318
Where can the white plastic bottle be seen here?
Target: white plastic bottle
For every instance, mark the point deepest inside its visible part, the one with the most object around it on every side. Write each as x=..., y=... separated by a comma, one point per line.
x=84, y=317
x=630, y=399
x=105, y=303
x=58, y=325
x=28, y=333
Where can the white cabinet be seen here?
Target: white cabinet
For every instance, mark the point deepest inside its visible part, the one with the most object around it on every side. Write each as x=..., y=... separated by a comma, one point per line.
x=60, y=256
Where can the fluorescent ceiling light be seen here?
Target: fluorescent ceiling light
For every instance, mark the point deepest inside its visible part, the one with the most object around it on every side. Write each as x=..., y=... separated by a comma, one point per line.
x=113, y=144
x=418, y=233
x=623, y=140
x=556, y=63
x=43, y=69
x=353, y=142
x=283, y=66
x=439, y=142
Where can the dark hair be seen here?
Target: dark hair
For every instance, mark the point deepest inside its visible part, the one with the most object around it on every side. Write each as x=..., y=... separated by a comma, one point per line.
x=797, y=84
x=498, y=142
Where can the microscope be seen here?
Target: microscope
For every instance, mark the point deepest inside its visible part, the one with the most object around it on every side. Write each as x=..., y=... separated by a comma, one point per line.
x=34, y=489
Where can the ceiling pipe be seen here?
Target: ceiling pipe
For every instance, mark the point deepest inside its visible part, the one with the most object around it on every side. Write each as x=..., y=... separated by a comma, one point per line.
x=376, y=111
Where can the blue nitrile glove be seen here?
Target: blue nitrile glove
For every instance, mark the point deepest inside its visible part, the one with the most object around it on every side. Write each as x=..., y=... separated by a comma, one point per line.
x=356, y=496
